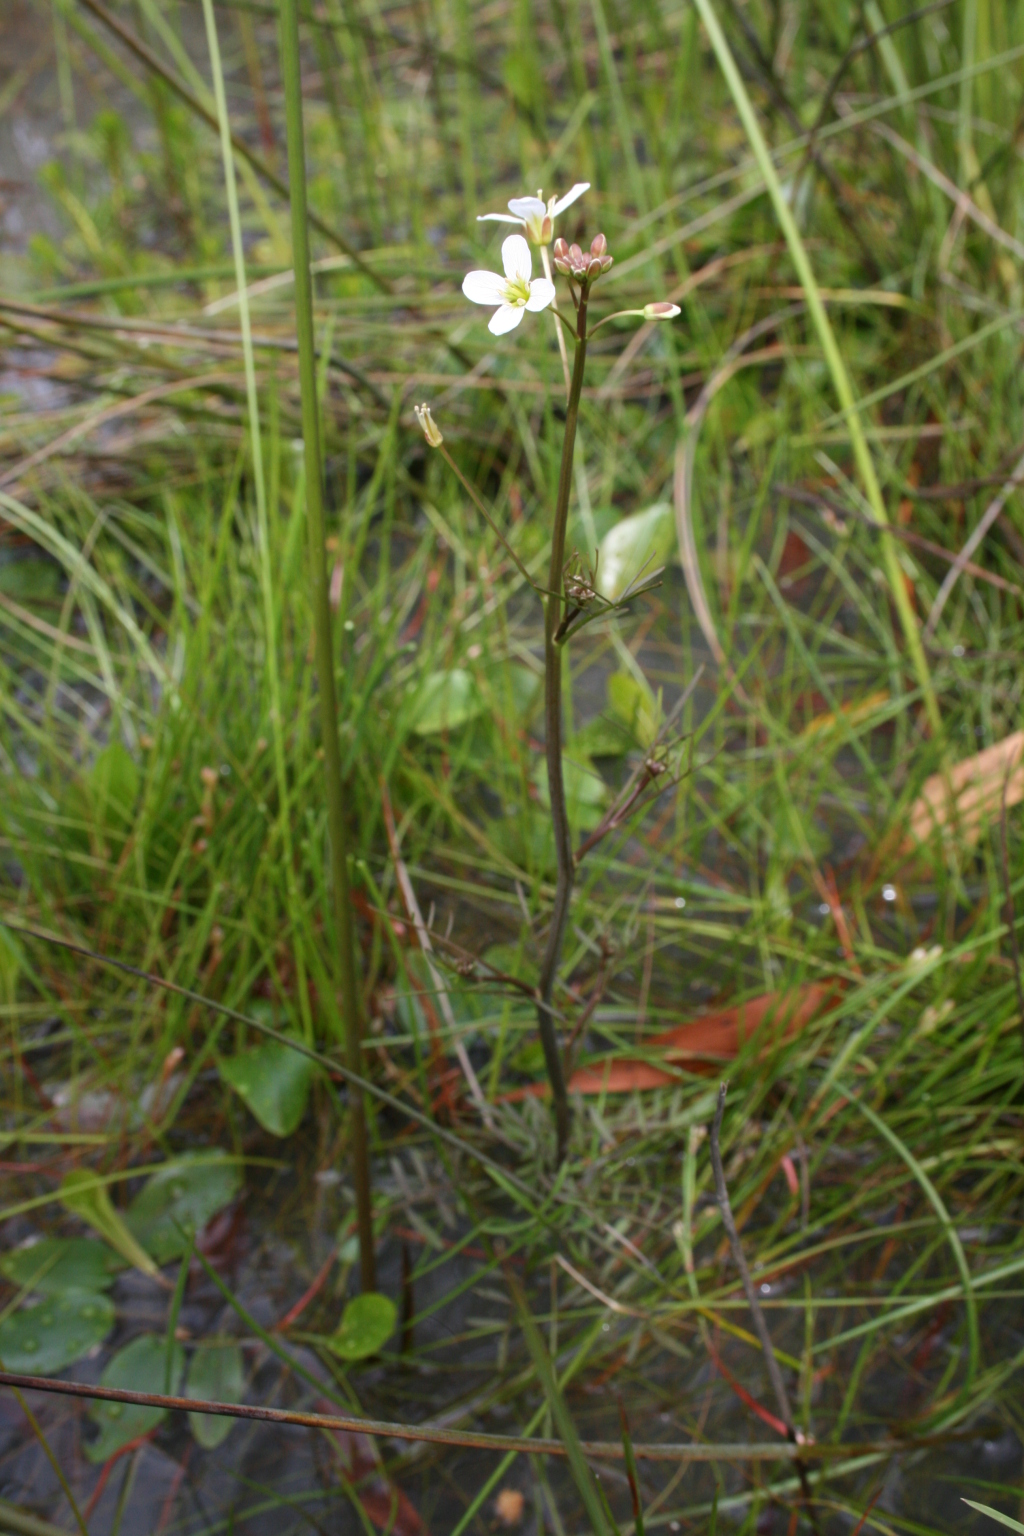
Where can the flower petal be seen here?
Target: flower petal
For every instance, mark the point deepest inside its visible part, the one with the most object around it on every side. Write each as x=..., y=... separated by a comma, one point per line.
x=570, y=197
x=505, y=319
x=484, y=287
x=527, y=208
x=497, y=218
x=541, y=293
x=516, y=259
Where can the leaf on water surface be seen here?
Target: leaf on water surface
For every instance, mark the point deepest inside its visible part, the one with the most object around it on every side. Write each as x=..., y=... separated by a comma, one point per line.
x=977, y=785
x=57, y=1264
x=274, y=1083
x=140, y=1367
x=700, y=1045
x=180, y=1198
x=367, y=1323
x=445, y=701
x=216, y=1374
x=54, y=1334
x=84, y=1197
x=641, y=541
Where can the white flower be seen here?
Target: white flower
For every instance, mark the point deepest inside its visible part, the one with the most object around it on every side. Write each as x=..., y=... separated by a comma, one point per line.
x=512, y=294
x=536, y=216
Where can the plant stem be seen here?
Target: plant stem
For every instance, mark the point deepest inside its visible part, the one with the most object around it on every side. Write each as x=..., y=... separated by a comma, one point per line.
x=324, y=649
x=553, y=745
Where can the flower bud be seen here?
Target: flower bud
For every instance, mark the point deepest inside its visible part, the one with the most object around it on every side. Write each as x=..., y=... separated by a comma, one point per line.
x=431, y=430
x=576, y=258
x=606, y=262
x=661, y=310
x=598, y=246
x=593, y=268
x=560, y=251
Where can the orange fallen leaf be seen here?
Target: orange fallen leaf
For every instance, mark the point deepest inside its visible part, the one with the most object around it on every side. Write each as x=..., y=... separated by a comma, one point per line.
x=851, y=713
x=977, y=786
x=700, y=1044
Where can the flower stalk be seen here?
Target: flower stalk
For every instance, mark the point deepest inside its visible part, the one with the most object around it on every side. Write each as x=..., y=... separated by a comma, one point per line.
x=335, y=785
x=564, y=859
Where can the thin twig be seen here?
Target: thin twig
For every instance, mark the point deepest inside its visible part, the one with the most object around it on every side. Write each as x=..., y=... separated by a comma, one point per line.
x=604, y=1450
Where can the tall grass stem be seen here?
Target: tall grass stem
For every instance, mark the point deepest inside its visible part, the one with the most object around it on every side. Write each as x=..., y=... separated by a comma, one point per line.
x=336, y=798
x=262, y=519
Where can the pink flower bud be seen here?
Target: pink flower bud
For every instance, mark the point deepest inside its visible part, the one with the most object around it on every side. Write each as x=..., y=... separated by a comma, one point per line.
x=661, y=310
x=593, y=268
x=606, y=262
x=598, y=245
x=561, y=249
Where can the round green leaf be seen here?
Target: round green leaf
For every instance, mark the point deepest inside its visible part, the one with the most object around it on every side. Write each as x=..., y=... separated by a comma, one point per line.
x=57, y=1264
x=445, y=701
x=181, y=1197
x=140, y=1367
x=216, y=1375
x=367, y=1323
x=637, y=543
x=59, y=1330
x=274, y=1083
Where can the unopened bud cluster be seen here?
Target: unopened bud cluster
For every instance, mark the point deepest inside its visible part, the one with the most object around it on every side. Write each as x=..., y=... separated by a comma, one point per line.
x=584, y=266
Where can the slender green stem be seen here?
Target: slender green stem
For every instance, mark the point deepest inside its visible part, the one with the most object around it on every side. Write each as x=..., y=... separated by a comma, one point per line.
x=553, y=745
x=324, y=649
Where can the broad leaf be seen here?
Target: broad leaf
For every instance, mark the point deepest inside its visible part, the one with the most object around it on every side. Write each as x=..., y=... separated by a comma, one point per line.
x=80, y=1193
x=180, y=1198
x=114, y=783
x=635, y=705
x=586, y=793
x=57, y=1264
x=639, y=542
x=140, y=1367
x=367, y=1323
x=216, y=1374
x=445, y=701
x=274, y=1083
x=56, y=1332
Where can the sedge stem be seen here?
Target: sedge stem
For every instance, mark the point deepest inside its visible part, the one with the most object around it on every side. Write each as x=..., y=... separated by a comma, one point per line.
x=335, y=784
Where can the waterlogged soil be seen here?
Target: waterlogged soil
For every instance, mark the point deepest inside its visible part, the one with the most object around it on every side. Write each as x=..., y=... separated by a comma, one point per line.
x=455, y=1342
